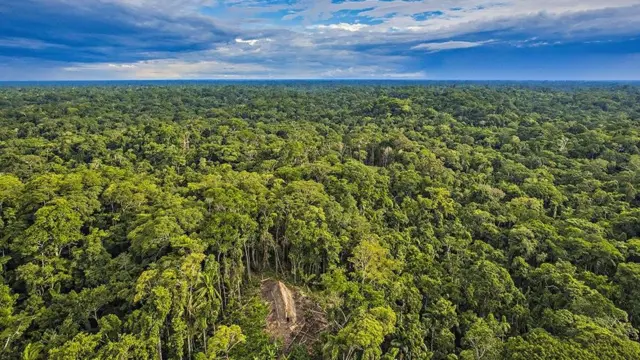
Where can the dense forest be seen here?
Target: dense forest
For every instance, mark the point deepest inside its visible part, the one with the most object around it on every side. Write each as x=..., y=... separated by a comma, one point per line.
x=436, y=222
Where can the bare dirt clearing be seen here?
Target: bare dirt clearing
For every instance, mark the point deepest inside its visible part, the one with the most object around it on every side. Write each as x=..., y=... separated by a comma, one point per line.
x=294, y=318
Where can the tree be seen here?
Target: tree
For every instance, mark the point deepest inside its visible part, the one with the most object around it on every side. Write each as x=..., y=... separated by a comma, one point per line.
x=484, y=339
x=540, y=345
x=362, y=336
x=223, y=341
x=440, y=319
x=373, y=263
x=490, y=289
x=421, y=222
x=627, y=276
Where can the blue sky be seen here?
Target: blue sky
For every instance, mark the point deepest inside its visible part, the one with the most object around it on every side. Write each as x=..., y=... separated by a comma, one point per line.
x=298, y=39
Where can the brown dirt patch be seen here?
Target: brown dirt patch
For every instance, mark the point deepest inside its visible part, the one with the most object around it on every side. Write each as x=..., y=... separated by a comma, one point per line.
x=294, y=318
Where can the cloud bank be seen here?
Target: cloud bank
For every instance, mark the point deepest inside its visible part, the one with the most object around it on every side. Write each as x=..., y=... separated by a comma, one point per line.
x=171, y=39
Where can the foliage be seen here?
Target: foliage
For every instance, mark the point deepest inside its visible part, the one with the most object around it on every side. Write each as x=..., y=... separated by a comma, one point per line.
x=430, y=222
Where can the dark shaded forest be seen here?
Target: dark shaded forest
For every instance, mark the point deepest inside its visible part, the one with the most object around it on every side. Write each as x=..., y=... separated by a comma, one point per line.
x=428, y=222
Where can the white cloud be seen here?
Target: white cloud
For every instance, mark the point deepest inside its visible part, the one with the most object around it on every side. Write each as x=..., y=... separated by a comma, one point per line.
x=469, y=16
x=118, y=66
x=325, y=45
x=341, y=26
x=338, y=64
x=250, y=42
x=168, y=69
x=448, y=45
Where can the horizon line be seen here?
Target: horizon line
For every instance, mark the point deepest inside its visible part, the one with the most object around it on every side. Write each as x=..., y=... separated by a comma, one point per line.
x=326, y=79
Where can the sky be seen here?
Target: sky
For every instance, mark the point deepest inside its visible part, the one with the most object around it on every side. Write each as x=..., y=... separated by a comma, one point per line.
x=320, y=39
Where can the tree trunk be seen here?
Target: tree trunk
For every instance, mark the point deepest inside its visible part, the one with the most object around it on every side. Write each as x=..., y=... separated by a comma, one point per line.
x=246, y=255
x=159, y=348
